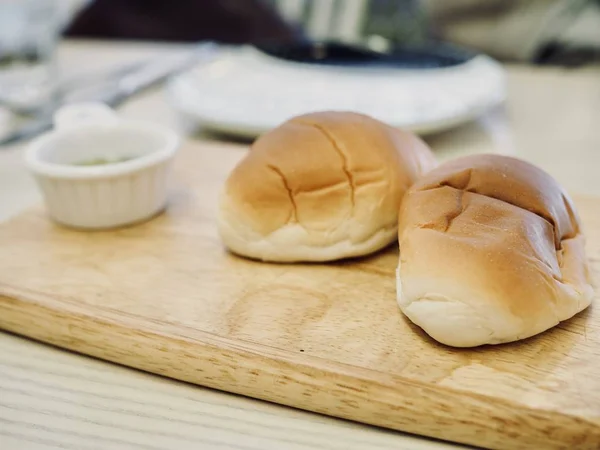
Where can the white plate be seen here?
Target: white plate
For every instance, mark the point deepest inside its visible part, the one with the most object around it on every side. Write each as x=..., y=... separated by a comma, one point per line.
x=245, y=92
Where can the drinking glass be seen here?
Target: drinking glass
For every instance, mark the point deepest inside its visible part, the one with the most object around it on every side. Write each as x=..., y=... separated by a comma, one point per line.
x=29, y=32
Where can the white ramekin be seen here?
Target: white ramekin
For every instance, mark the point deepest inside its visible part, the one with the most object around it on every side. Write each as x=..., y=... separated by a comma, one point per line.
x=108, y=195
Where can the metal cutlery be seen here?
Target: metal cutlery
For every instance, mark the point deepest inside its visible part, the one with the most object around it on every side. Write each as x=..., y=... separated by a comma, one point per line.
x=115, y=91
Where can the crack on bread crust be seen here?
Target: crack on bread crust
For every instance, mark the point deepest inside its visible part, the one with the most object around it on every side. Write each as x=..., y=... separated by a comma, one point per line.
x=449, y=218
x=323, y=188
x=294, y=216
x=572, y=217
x=460, y=208
x=342, y=155
x=428, y=226
x=462, y=183
x=554, y=301
x=549, y=220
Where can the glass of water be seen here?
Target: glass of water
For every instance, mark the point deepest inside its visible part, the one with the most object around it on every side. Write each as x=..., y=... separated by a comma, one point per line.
x=29, y=32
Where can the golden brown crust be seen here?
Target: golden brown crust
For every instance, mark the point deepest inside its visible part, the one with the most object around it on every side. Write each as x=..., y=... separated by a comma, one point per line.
x=498, y=236
x=320, y=172
x=513, y=181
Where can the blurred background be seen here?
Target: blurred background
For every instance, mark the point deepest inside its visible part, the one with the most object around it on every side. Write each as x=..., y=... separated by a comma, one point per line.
x=530, y=32
x=533, y=31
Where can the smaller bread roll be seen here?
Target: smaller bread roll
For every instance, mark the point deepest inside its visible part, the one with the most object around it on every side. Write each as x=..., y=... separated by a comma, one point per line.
x=491, y=251
x=320, y=187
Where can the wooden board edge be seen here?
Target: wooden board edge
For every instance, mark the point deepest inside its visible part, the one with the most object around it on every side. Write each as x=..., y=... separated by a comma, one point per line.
x=322, y=386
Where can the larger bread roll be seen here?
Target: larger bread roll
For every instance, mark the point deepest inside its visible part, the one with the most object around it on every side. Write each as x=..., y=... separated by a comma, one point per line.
x=491, y=251
x=320, y=187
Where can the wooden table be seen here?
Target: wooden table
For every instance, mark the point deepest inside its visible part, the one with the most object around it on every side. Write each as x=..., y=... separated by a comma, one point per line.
x=50, y=398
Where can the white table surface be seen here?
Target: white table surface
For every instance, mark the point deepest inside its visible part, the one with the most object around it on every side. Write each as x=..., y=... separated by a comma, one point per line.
x=53, y=399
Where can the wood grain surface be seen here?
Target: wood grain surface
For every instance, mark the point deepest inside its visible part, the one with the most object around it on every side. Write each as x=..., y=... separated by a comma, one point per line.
x=166, y=298
x=53, y=399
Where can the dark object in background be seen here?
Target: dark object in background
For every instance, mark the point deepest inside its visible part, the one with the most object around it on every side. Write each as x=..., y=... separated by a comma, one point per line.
x=552, y=32
x=555, y=54
x=425, y=56
x=226, y=21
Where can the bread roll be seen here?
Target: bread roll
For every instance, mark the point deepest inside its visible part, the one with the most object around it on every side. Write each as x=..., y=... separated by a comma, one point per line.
x=491, y=251
x=320, y=187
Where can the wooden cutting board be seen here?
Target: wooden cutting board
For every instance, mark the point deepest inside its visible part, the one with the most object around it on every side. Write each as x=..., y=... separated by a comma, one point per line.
x=166, y=298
